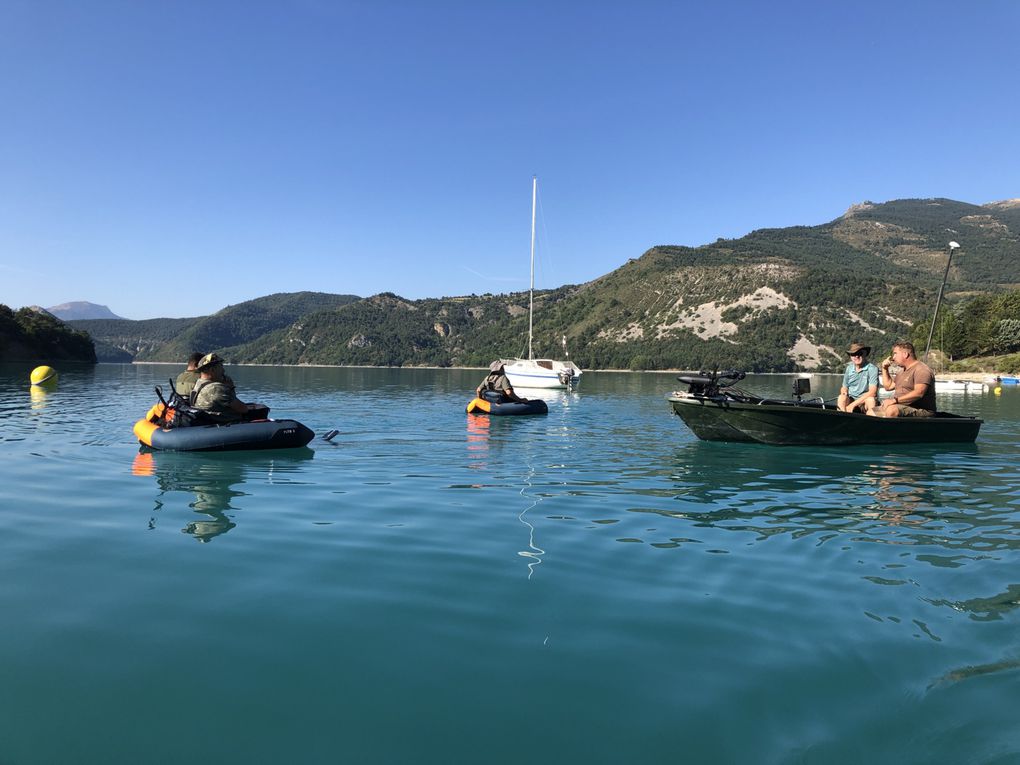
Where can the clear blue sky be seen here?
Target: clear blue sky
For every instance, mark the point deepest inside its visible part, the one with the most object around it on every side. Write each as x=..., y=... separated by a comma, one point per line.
x=171, y=158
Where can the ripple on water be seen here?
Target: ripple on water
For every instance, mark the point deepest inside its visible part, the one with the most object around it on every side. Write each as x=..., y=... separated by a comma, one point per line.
x=431, y=566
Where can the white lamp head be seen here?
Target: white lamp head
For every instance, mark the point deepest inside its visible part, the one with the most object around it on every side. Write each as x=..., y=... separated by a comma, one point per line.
x=954, y=245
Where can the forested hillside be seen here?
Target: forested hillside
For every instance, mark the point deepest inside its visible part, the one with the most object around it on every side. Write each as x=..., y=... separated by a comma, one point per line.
x=30, y=334
x=124, y=340
x=776, y=299
x=174, y=339
x=985, y=325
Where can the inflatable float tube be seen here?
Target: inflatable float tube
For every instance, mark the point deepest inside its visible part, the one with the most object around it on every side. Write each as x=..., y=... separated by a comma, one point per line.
x=532, y=406
x=259, y=434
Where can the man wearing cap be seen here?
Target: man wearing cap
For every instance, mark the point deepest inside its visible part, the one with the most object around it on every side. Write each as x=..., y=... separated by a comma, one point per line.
x=214, y=394
x=498, y=381
x=859, y=392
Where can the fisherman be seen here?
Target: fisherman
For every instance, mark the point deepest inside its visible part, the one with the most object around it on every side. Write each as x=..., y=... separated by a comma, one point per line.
x=215, y=395
x=859, y=392
x=186, y=380
x=497, y=382
x=914, y=385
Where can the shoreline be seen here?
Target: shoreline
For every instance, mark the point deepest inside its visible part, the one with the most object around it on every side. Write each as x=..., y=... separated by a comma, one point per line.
x=968, y=376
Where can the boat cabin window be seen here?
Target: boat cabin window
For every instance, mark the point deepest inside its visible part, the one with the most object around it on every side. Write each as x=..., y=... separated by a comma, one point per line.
x=544, y=363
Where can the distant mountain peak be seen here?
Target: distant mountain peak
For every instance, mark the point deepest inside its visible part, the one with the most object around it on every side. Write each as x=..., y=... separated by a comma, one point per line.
x=81, y=309
x=1004, y=204
x=858, y=207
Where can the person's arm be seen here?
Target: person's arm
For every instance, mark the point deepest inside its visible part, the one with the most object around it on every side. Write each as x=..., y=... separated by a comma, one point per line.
x=887, y=380
x=237, y=405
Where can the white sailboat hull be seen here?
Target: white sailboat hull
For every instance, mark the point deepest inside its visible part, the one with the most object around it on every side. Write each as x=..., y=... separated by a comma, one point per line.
x=960, y=386
x=542, y=373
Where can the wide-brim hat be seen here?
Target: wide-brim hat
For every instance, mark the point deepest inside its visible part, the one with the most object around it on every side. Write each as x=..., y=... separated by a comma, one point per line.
x=858, y=348
x=209, y=360
x=495, y=366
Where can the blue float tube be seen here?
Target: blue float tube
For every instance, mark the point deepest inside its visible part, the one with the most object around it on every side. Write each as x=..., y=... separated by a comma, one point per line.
x=260, y=434
x=494, y=403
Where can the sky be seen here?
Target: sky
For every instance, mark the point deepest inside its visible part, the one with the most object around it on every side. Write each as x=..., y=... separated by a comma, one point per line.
x=170, y=158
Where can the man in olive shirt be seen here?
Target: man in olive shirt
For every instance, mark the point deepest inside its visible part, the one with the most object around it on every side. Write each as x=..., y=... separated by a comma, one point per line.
x=498, y=382
x=914, y=385
x=186, y=380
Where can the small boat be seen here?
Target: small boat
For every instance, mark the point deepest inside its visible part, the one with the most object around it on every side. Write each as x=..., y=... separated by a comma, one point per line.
x=157, y=430
x=258, y=434
x=542, y=373
x=716, y=411
x=1009, y=380
x=493, y=402
x=532, y=372
x=960, y=386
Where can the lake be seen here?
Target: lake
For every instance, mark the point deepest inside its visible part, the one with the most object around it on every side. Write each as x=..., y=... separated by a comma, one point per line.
x=593, y=586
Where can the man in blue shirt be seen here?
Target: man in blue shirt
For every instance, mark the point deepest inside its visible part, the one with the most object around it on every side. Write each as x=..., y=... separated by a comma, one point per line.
x=859, y=392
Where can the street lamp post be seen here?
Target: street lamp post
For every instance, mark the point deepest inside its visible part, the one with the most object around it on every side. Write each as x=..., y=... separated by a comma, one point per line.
x=938, y=302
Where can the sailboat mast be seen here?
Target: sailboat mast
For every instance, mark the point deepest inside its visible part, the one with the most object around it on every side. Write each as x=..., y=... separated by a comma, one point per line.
x=531, y=292
x=938, y=302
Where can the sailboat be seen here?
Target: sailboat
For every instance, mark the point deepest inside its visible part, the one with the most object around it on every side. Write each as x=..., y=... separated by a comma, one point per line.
x=532, y=372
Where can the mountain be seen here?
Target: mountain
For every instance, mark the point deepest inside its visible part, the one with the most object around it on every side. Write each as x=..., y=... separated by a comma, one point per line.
x=774, y=300
x=81, y=310
x=124, y=340
x=247, y=322
x=174, y=339
x=32, y=334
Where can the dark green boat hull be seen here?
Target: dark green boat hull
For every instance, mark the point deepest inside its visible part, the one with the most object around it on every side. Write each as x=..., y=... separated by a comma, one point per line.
x=794, y=424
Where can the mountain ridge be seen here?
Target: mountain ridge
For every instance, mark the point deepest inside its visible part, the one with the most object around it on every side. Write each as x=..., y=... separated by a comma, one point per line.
x=82, y=309
x=773, y=300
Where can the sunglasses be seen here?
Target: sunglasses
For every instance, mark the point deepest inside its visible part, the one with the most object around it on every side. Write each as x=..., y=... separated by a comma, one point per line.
x=857, y=355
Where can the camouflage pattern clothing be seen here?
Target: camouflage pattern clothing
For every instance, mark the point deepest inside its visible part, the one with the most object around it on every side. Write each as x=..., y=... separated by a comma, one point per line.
x=496, y=382
x=215, y=398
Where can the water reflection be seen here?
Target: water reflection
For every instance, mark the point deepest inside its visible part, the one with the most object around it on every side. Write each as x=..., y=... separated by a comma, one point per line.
x=534, y=553
x=478, y=441
x=479, y=446
x=941, y=499
x=214, y=479
x=40, y=395
x=986, y=609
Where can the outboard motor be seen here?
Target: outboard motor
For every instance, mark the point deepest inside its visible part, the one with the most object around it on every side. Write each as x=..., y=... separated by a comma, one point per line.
x=708, y=383
x=565, y=376
x=801, y=386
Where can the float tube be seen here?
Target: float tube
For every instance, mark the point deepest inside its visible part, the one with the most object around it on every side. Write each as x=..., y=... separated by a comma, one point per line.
x=500, y=407
x=256, y=434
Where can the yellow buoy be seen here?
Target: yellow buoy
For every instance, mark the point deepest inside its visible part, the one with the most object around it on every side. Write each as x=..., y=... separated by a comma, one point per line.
x=998, y=390
x=44, y=374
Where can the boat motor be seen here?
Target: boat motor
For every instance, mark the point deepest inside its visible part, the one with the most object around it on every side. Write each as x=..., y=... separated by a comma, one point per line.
x=709, y=383
x=801, y=386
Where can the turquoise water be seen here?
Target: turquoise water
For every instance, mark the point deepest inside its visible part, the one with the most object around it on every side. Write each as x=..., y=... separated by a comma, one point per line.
x=592, y=586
